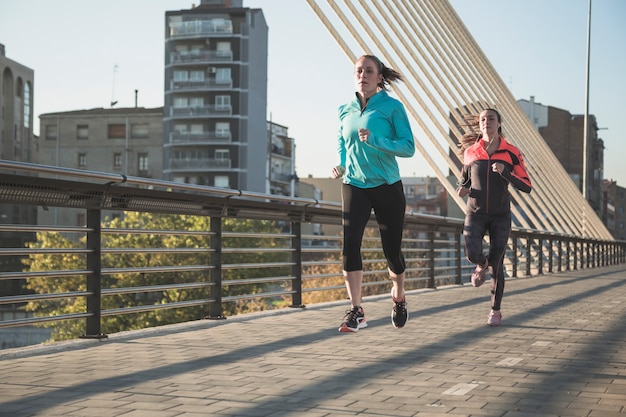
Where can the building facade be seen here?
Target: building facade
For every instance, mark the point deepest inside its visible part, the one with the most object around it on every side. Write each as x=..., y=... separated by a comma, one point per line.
x=564, y=134
x=17, y=143
x=215, y=98
x=614, y=207
x=126, y=141
x=281, y=161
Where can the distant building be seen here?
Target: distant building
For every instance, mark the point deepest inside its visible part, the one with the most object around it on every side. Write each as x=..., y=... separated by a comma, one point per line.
x=281, y=161
x=564, y=134
x=613, y=214
x=424, y=195
x=17, y=143
x=125, y=141
x=215, y=102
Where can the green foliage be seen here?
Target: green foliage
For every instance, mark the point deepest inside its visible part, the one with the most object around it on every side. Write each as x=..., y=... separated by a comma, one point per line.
x=137, y=259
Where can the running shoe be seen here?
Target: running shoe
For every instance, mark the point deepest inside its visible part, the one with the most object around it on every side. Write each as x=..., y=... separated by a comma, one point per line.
x=399, y=313
x=495, y=318
x=478, y=276
x=353, y=321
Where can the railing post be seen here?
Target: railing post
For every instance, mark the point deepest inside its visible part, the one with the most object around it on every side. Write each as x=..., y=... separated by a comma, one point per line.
x=550, y=254
x=296, y=269
x=540, y=256
x=560, y=261
x=515, y=257
x=529, y=245
x=431, y=257
x=93, y=327
x=575, y=243
x=216, y=311
x=457, y=250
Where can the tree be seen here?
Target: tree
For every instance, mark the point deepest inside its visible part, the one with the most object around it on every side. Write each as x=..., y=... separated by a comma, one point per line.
x=148, y=221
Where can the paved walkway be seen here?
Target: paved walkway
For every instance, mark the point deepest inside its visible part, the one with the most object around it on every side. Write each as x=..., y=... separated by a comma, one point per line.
x=560, y=352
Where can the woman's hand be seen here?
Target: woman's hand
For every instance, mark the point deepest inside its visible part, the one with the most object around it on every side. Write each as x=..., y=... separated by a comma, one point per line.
x=462, y=191
x=364, y=134
x=497, y=167
x=337, y=172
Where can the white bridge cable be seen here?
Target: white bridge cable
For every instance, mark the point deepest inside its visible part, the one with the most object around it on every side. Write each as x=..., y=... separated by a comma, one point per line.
x=564, y=192
x=447, y=79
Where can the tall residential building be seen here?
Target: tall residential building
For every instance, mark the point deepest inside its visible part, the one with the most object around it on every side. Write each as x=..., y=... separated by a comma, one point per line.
x=215, y=101
x=124, y=141
x=564, y=134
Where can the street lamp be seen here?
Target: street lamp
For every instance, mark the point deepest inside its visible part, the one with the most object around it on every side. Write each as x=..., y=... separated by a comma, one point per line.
x=586, y=122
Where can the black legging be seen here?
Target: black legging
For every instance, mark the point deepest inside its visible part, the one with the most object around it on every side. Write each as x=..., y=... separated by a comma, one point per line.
x=389, y=205
x=499, y=227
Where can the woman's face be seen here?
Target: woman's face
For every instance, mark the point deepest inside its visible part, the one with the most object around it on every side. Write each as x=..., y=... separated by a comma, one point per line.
x=489, y=123
x=367, y=76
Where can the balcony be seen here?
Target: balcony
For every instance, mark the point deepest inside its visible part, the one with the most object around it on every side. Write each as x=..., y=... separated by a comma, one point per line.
x=202, y=111
x=206, y=84
x=188, y=138
x=200, y=27
x=196, y=57
x=196, y=164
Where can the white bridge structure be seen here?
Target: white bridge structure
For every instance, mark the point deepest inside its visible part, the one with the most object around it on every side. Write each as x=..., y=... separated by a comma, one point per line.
x=447, y=79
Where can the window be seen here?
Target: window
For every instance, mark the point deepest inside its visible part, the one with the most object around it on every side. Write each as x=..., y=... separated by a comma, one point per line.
x=51, y=132
x=222, y=129
x=117, y=131
x=180, y=102
x=139, y=131
x=82, y=132
x=117, y=160
x=180, y=75
x=196, y=75
x=142, y=162
x=82, y=160
x=221, y=181
x=222, y=101
x=27, y=105
x=222, y=154
x=223, y=76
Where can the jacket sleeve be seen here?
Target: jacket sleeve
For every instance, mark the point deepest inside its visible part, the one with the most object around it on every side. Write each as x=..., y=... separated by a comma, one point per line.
x=518, y=176
x=341, y=145
x=402, y=145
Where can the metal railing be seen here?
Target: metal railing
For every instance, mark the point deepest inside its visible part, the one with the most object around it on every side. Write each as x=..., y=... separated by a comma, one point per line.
x=212, y=267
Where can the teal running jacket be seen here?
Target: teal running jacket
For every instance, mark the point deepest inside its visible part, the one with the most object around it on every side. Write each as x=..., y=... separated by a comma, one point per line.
x=373, y=163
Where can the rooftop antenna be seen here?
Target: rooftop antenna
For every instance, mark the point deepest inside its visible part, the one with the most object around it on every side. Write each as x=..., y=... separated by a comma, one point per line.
x=113, y=100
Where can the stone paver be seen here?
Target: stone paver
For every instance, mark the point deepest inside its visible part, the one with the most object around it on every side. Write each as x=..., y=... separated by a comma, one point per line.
x=561, y=352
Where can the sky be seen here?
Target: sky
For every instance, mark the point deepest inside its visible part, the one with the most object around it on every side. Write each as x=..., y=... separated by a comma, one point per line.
x=88, y=53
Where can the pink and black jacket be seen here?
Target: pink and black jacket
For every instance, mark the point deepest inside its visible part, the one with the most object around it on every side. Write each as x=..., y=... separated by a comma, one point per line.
x=489, y=193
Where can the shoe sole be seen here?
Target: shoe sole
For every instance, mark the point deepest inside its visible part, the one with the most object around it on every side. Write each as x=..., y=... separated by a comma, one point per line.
x=346, y=329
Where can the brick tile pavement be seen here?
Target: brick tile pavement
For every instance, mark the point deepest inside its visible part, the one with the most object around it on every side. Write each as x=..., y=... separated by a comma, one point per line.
x=560, y=352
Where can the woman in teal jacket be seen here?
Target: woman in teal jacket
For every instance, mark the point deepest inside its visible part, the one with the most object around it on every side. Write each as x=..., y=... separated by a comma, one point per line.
x=374, y=130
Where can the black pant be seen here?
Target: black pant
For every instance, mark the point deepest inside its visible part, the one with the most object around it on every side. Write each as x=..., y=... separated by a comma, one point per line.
x=499, y=228
x=389, y=205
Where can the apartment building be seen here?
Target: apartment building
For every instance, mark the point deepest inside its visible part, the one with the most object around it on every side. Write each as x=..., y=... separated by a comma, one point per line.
x=564, y=134
x=126, y=141
x=215, y=98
